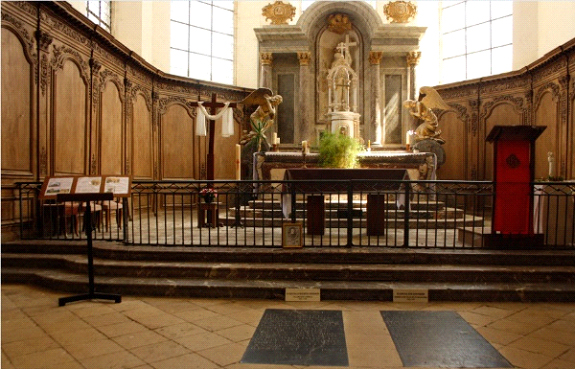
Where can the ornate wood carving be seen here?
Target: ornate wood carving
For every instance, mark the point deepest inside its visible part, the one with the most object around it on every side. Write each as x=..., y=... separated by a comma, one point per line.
x=61, y=53
x=413, y=58
x=108, y=75
x=43, y=161
x=279, y=12
x=16, y=26
x=164, y=103
x=549, y=87
x=64, y=28
x=266, y=59
x=44, y=72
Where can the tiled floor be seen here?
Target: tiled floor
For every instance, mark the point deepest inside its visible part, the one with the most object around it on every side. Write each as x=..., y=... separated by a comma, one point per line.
x=174, y=333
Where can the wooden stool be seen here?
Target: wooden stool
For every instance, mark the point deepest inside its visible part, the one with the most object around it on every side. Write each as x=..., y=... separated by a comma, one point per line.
x=211, y=211
x=107, y=208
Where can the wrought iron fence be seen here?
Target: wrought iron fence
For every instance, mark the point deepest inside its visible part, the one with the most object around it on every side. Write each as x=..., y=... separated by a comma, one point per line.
x=334, y=213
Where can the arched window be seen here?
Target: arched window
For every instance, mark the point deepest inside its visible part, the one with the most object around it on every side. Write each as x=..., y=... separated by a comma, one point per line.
x=202, y=40
x=477, y=39
x=99, y=12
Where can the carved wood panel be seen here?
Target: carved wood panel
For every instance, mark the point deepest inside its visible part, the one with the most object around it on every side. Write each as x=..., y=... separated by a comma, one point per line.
x=17, y=113
x=177, y=143
x=112, y=130
x=142, y=138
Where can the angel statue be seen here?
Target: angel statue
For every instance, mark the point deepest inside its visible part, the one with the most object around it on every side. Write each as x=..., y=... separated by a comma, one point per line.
x=421, y=110
x=263, y=117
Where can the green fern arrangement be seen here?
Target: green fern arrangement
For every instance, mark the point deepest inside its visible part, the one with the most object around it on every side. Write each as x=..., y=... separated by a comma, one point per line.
x=338, y=151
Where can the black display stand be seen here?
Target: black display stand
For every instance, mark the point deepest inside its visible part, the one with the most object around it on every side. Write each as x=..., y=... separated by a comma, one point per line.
x=87, y=198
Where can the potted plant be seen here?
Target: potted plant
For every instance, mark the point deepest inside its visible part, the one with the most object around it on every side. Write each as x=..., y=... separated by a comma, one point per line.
x=338, y=150
x=209, y=194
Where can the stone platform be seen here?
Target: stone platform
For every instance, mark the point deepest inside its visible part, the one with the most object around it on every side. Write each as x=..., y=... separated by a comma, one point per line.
x=265, y=273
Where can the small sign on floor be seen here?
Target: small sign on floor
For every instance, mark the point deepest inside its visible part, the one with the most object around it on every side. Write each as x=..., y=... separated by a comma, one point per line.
x=410, y=295
x=303, y=294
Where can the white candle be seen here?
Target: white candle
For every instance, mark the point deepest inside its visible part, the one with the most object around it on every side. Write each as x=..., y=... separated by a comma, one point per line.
x=304, y=146
x=274, y=138
x=238, y=162
x=277, y=141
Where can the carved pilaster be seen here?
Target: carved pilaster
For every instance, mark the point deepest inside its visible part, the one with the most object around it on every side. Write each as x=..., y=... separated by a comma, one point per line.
x=304, y=58
x=412, y=61
x=44, y=40
x=266, y=61
x=43, y=162
x=375, y=57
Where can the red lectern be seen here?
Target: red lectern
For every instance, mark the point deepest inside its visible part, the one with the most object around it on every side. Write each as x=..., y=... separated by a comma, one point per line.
x=514, y=164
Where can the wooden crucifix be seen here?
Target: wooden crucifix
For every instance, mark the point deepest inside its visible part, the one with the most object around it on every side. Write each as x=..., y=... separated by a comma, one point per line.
x=211, y=107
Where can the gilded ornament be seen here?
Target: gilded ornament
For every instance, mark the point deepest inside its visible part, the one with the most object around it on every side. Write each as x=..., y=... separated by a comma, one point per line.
x=339, y=23
x=279, y=12
x=400, y=11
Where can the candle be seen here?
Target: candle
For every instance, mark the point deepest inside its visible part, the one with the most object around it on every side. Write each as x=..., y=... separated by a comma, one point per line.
x=368, y=144
x=304, y=146
x=238, y=162
x=277, y=141
x=274, y=138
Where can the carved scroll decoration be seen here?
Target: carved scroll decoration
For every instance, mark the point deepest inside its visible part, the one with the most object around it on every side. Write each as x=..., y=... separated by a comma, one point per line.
x=339, y=23
x=400, y=11
x=279, y=12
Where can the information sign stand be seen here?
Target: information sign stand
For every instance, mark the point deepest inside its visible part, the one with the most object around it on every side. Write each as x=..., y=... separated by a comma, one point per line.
x=92, y=294
x=88, y=189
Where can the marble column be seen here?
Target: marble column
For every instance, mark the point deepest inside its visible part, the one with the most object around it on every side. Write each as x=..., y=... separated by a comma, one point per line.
x=412, y=61
x=305, y=130
x=266, y=62
x=376, y=134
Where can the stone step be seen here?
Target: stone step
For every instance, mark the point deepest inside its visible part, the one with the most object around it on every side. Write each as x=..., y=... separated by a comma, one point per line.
x=318, y=255
x=294, y=271
x=275, y=289
x=445, y=213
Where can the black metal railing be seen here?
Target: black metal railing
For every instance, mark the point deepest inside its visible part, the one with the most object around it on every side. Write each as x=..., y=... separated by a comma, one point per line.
x=334, y=213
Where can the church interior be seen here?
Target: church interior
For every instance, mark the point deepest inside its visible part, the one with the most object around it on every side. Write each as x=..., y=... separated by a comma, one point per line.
x=227, y=243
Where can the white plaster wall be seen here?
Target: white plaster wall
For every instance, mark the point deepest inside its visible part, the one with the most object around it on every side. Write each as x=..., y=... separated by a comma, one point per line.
x=428, y=70
x=556, y=24
x=248, y=16
x=525, y=33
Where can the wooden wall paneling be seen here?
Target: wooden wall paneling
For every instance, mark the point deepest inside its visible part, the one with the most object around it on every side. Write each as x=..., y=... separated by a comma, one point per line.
x=18, y=100
x=112, y=132
x=546, y=108
x=454, y=128
x=177, y=137
x=142, y=135
x=571, y=114
x=504, y=111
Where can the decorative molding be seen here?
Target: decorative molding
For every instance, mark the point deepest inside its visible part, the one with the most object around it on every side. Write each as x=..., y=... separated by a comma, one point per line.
x=44, y=72
x=93, y=164
x=279, y=12
x=108, y=75
x=400, y=11
x=61, y=53
x=339, y=23
x=164, y=103
x=549, y=70
x=504, y=85
x=134, y=90
x=44, y=40
x=375, y=57
x=22, y=33
x=63, y=28
x=43, y=161
x=304, y=58
x=266, y=59
x=549, y=87
x=517, y=102
x=413, y=58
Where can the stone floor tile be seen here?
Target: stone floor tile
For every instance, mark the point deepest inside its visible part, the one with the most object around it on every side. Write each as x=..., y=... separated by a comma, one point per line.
x=121, y=329
x=540, y=346
x=64, y=337
x=91, y=309
x=70, y=326
x=106, y=319
x=525, y=359
x=531, y=316
x=569, y=355
x=142, y=312
x=116, y=360
x=224, y=355
x=20, y=330
x=93, y=348
x=139, y=339
x=180, y=330
x=563, y=325
x=195, y=315
x=36, y=344
x=477, y=320
x=515, y=327
x=45, y=359
x=217, y=323
x=492, y=311
x=13, y=314
x=497, y=336
x=158, y=321
x=159, y=351
x=238, y=333
x=188, y=361
x=558, y=364
x=203, y=341
x=251, y=317
x=548, y=333
x=230, y=308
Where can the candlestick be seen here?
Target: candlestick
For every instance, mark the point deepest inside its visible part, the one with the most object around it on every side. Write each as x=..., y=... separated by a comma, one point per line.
x=238, y=162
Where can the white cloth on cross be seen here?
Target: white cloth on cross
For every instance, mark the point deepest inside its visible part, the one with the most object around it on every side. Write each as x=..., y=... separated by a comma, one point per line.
x=227, y=122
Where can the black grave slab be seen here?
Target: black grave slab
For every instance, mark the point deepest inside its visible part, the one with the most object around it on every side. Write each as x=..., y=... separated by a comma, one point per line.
x=298, y=337
x=440, y=339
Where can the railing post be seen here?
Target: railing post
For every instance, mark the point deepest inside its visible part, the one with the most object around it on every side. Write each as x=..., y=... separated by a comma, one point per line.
x=406, y=209
x=349, y=214
x=293, y=202
x=20, y=205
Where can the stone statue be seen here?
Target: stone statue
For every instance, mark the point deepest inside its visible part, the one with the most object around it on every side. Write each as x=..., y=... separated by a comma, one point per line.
x=420, y=109
x=263, y=117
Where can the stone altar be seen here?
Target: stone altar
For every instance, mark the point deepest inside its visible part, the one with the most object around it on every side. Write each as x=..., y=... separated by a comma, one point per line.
x=272, y=165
